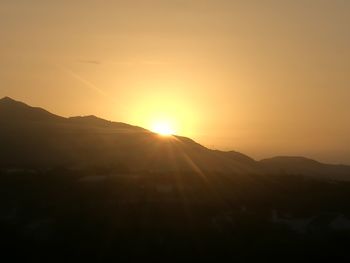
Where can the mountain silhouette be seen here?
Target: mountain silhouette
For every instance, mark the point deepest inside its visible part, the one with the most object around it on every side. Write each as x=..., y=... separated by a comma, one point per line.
x=12, y=111
x=32, y=137
x=306, y=166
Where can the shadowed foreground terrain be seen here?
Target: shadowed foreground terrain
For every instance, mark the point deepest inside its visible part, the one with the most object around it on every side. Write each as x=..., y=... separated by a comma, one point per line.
x=83, y=188
x=62, y=214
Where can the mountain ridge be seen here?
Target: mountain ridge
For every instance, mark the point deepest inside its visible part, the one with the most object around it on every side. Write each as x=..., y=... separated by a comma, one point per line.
x=11, y=110
x=90, y=140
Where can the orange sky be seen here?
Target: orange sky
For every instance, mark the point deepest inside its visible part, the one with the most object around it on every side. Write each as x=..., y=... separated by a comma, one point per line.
x=262, y=77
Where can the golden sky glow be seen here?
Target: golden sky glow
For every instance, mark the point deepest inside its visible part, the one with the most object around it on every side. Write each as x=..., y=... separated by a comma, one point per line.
x=156, y=106
x=262, y=77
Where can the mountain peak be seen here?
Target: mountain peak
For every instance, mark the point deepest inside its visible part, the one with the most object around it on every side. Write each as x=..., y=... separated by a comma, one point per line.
x=90, y=119
x=291, y=159
x=7, y=100
x=12, y=110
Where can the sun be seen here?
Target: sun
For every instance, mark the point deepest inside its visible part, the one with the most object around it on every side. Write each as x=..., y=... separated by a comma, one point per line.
x=163, y=128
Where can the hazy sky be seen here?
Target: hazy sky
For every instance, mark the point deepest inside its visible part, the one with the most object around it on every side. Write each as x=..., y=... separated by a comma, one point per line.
x=262, y=77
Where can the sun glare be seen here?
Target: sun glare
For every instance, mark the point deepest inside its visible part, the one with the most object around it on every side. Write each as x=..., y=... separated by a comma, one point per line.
x=163, y=128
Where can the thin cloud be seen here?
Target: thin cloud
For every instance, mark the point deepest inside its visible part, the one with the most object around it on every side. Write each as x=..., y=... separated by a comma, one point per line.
x=86, y=83
x=95, y=62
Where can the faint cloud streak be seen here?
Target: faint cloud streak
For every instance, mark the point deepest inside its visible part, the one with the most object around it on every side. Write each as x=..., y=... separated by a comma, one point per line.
x=95, y=62
x=86, y=83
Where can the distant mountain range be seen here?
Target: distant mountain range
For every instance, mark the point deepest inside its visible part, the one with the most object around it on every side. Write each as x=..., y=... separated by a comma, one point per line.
x=34, y=138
